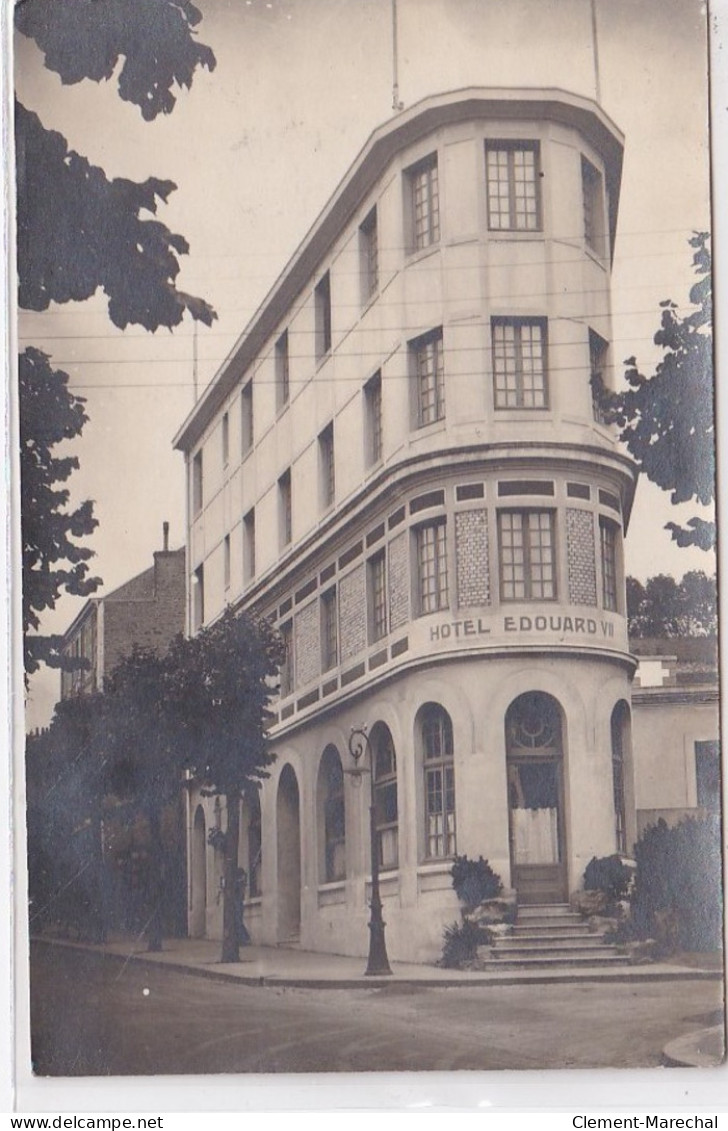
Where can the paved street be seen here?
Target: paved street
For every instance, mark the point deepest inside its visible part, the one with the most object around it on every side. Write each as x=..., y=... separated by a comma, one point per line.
x=94, y=1015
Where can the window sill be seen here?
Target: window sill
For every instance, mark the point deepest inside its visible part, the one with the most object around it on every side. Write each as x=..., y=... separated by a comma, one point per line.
x=419, y=253
x=431, y=612
x=333, y=885
x=420, y=430
x=435, y=865
x=519, y=412
x=369, y=301
x=599, y=260
x=517, y=234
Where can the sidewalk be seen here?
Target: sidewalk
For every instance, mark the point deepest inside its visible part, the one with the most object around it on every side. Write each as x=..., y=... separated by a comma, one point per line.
x=276, y=966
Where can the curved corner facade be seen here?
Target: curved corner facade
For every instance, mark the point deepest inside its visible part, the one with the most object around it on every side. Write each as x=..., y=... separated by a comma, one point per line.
x=403, y=464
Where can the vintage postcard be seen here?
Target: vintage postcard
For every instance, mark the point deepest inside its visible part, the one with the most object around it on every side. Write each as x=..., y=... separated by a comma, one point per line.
x=367, y=473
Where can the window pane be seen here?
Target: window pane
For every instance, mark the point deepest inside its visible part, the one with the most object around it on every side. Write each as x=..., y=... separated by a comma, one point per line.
x=425, y=206
x=432, y=561
x=527, y=555
x=512, y=179
x=541, y=558
x=519, y=364
x=430, y=381
x=608, y=539
x=378, y=597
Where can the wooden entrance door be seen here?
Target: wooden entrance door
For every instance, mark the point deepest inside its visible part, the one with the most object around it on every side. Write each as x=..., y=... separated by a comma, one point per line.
x=536, y=823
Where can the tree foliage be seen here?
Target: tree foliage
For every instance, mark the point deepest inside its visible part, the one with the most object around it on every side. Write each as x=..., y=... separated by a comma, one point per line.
x=664, y=607
x=67, y=780
x=146, y=758
x=223, y=680
x=53, y=560
x=79, y=232
x=86, y=39
x=202, y=706
x=677, y=892
x=667, y=420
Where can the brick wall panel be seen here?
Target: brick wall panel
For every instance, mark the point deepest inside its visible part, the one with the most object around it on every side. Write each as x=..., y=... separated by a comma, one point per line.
x=307, y=645
x=473, y=566
x=399, y=581
x=581, y=554
x=353, y=613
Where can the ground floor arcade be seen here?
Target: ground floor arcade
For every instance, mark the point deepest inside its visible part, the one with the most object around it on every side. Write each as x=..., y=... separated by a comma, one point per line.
x=524, y=759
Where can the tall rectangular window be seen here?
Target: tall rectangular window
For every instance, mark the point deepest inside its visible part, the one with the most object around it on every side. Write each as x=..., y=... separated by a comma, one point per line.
x=282, y=371
x=285, y=509
x=226, y=561
x=519, y=362
x=287, y=664
x=431, y=542
x=246, y=418
x=249, y=545
x=598, y=350
x=437, y=750
x=527, y=555
x=512, y=174
x=428, y=370
x=329, y=631
x=373, y=419
x=225, y=437
x=424, y=203
x=197, y=483
x=593, y=201
x=327, y=466
x=369, y=251
x=322, y=310
x=198, y=598
x=377, y=596
x=608, y=543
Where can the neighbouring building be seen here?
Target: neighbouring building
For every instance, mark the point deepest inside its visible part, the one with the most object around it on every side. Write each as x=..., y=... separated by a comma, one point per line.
x=148, y=610
x=403, y=464
x=675, y=699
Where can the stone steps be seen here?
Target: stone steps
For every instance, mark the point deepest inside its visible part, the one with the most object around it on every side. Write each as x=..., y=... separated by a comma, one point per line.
x=548, y=936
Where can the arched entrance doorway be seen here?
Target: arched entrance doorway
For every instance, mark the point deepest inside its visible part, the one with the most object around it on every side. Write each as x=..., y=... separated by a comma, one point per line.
x=198, y=878
x=289, y=857
x=536, y=825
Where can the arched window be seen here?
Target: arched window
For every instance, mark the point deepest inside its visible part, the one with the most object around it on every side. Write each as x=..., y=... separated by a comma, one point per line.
x=386, y=811
x=331, y=815
x=620, y=739
x=436, y=744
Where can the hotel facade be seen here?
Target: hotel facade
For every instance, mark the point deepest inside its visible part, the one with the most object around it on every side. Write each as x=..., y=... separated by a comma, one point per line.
x=403, y=465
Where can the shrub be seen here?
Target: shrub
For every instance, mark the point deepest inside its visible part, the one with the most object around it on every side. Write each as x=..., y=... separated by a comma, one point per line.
x=474, y=881
x=608, y=874
x=677, y=891
x=461, y=942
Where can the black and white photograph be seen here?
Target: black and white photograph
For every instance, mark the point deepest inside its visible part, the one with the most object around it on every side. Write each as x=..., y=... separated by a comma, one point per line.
x=365, y=452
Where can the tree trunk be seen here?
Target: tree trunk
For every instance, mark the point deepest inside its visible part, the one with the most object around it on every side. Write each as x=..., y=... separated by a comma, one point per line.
x=230, y=940
x=154, y=928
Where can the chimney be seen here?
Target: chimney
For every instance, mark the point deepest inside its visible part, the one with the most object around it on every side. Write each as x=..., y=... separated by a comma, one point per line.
x=165, y=536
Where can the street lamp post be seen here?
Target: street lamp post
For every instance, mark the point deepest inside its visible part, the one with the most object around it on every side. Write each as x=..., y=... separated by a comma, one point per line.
x=378, y=962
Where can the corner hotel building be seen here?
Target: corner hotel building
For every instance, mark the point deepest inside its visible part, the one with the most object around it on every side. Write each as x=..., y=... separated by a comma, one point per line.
x=402, y=464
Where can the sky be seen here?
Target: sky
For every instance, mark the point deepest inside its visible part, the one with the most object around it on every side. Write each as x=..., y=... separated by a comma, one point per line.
x=257, y=147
